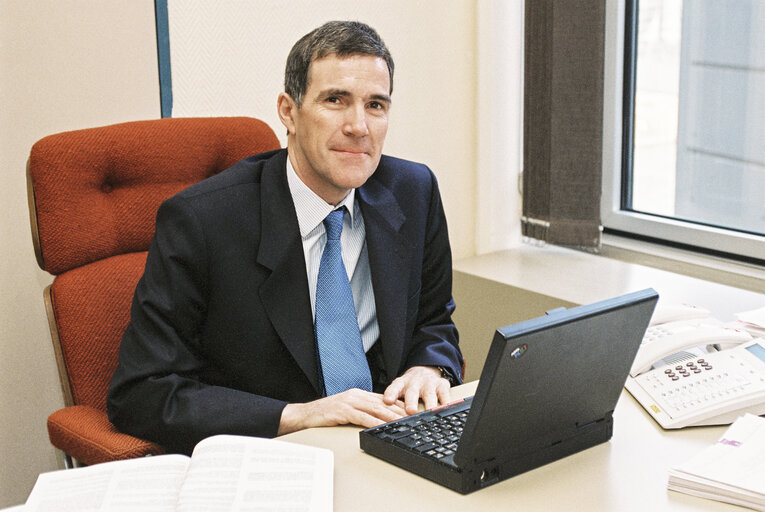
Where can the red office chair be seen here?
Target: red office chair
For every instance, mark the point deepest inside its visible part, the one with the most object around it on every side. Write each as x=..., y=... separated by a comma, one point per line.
x=93, y=196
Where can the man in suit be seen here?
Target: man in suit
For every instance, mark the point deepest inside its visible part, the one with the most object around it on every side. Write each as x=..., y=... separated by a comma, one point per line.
x=234, y=325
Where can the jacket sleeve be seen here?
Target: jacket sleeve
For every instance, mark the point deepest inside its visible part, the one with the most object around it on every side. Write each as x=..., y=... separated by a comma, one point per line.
x=435, y=340
x=164, y=389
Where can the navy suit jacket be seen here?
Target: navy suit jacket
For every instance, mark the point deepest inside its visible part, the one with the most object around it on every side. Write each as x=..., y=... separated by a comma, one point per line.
x=221, y=333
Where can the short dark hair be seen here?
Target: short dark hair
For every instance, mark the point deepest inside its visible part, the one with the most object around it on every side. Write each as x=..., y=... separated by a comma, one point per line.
x=341, y=38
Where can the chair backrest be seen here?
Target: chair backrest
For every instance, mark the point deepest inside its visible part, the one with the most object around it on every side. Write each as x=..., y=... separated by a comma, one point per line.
x=93, y=197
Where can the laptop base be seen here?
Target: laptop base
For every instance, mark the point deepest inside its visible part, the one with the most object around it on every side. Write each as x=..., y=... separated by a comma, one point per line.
x=484, y=474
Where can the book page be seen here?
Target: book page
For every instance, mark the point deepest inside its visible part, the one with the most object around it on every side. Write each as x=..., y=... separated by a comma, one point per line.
x=236, y=473
x=148, y=484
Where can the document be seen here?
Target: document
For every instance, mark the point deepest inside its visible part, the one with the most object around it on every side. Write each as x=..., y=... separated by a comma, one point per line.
x=226, y=473
x=752, y=321
x=732, y=470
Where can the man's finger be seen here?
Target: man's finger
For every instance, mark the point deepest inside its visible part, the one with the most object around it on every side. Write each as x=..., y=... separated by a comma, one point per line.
x=429, y=397
x=393, y=391
x=412, y=397
x=362, y=405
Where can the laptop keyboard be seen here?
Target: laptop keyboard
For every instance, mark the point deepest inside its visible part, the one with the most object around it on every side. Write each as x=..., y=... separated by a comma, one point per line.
x=433, y=436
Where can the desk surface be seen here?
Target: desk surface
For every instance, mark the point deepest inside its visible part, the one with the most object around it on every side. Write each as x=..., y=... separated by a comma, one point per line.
x=627, y=473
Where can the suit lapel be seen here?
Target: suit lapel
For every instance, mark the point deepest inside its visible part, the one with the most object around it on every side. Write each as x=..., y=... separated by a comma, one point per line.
x=389, y=265
x=285, y=292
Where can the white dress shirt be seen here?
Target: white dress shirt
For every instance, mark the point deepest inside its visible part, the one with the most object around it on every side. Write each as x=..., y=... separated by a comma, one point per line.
x=311, y=211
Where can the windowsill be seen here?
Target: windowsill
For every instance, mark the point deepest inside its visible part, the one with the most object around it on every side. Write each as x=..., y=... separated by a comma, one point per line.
x=580, y=278
x=709, y=268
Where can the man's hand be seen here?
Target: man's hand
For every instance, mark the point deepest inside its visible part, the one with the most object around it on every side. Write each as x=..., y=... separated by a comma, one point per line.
x=354, y=406
x=419, y=382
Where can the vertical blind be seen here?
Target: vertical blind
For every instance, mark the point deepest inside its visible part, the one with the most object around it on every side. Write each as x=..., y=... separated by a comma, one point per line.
x=563, y=121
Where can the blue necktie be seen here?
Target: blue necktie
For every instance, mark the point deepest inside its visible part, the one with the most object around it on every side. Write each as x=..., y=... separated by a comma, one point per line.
x=341, y=353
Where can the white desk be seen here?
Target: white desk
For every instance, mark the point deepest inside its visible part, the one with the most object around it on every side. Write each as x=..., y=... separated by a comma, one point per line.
x=625, y=474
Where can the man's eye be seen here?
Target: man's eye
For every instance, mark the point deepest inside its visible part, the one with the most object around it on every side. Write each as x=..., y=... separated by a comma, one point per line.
x=333, y=99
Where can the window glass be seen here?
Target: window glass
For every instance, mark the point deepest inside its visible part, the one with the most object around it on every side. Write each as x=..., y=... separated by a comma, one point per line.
x=699, y=113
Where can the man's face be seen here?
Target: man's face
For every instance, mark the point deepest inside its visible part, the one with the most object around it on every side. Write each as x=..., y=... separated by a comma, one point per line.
x=336, y=136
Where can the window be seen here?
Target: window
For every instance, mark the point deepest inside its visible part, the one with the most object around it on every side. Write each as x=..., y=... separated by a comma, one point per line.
x=691, y=112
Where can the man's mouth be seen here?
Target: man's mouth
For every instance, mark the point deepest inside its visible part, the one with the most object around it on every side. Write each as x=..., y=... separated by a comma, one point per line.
x=350, y=151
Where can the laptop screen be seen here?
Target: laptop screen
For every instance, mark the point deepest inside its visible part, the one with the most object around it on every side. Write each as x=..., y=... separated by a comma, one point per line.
x=549, y=379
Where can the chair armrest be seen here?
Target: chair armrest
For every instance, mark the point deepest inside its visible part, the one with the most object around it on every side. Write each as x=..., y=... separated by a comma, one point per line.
x=85, y=434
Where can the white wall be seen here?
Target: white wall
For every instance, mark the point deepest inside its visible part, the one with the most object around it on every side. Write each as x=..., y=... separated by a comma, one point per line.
x=69, y=64
x=64, y=64
x=499, y=110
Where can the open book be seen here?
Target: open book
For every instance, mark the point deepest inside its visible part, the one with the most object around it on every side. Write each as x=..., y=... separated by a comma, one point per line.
x=228, y=473
x=732, y=470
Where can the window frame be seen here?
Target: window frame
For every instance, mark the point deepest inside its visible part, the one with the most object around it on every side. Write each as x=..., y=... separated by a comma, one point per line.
x=619, y=68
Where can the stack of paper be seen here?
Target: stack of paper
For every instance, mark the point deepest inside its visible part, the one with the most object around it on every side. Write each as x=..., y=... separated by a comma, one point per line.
x=732, y=470
x=752, y=321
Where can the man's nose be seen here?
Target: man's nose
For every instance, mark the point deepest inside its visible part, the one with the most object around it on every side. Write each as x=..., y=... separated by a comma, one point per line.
x=355, y=122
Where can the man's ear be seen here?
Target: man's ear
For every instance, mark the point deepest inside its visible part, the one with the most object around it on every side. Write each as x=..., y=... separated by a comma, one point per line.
x=287, y=110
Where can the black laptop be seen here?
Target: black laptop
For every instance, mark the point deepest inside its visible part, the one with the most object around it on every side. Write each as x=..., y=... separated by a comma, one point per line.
x=547, y=390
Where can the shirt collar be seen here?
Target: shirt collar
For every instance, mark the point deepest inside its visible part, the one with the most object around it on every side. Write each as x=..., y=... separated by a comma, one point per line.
x=310, y=208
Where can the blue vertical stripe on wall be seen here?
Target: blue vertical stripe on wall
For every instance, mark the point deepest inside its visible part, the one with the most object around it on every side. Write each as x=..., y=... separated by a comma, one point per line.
x=163, y=58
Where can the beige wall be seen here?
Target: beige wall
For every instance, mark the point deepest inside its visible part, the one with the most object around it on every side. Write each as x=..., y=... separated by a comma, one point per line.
x=64, y=64
x=228, y=59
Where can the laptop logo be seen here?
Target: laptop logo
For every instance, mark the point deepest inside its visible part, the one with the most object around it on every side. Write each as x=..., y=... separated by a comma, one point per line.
x=519, y=351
